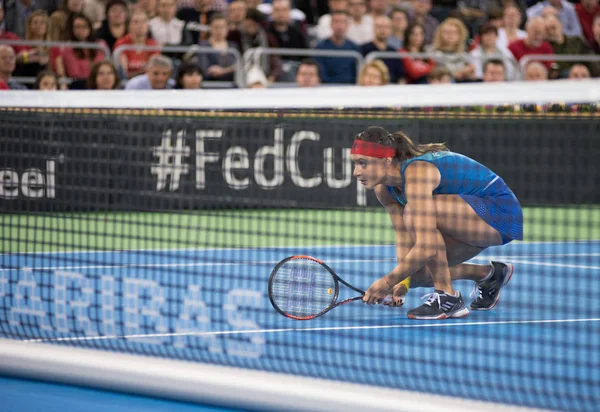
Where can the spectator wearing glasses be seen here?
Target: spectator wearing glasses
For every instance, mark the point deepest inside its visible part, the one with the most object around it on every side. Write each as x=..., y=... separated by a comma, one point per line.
x=103, y=76
x=7, y=67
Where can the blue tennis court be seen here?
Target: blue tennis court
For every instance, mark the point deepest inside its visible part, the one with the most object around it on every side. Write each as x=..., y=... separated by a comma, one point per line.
x=539, y=347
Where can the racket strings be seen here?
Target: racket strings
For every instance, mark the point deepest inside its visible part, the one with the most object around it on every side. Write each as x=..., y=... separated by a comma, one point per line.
x=303, y=288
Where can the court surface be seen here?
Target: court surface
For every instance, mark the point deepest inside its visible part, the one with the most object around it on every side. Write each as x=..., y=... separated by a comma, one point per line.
x=539, y=347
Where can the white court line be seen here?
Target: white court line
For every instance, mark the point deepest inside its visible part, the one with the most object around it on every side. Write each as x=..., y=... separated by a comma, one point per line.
x=531, y=262
x=196, y=249
x=547, y=255
x=152, y=265
x=319, y=329
x=272, y=262
x=268, y=247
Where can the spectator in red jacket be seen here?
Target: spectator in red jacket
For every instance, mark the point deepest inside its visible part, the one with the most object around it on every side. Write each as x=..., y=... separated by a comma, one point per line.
x=534, y=43
x=416, y=69
x=133, y=62
x=586, y=10
x=76, y=62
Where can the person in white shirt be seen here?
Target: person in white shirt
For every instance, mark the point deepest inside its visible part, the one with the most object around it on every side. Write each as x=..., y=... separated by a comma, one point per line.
x=488, y=49
x=324, y=24
x=566, y=14
x=165, y=27
x=157, y=76
x=510, y=31
x=360, y=29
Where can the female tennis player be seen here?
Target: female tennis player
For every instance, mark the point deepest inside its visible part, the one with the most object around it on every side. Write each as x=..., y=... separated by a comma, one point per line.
x=445, y=209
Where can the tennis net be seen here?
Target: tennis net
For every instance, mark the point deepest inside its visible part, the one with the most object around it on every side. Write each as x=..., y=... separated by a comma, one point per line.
x=148, y=224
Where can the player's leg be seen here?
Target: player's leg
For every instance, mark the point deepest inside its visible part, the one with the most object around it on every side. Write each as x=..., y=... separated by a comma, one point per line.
x=456, y=217
x=456, y=254
x=444, y=302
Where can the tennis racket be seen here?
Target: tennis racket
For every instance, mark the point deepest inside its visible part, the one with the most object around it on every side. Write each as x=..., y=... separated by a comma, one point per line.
x=303, y=288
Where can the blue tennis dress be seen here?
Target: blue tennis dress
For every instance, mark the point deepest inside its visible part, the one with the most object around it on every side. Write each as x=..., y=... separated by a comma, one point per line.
x=481, y=188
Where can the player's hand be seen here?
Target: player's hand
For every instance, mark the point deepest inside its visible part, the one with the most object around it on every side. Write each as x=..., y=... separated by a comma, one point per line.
x=377, y=292
x=398, y=295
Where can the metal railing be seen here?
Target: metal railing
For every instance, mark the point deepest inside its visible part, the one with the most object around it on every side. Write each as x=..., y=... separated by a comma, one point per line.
x=238, y=75
x=73, y=45
x=574, y=58
x=257, y=52
x=508, y=61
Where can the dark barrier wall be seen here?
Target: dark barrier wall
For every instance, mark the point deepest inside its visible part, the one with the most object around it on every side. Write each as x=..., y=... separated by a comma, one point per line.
x=98, y=160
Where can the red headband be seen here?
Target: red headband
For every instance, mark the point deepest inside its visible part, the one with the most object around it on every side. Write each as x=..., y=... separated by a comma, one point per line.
x=371, y=149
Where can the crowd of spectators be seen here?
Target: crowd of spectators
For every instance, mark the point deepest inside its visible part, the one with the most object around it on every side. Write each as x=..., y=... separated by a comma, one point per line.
x=436, y=41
